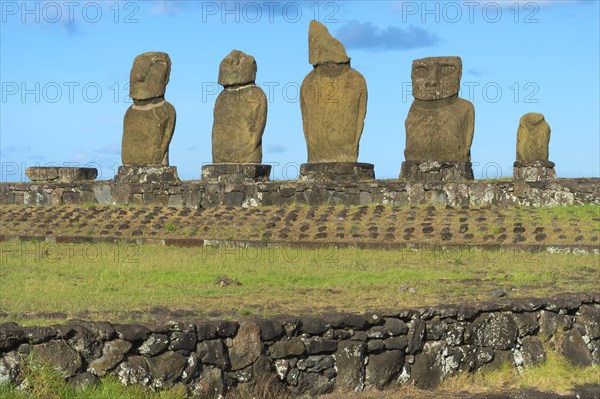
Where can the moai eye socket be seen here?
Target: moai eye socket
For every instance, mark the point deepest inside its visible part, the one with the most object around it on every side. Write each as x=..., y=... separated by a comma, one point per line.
x=448, y=69
x=421, y=71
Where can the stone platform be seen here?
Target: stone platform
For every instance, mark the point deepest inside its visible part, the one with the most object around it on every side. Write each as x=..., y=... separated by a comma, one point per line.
x=436, y=171
x=51, y=174
x=336, y=172
x=534, y=171
x=140, y=174
x=236, y=173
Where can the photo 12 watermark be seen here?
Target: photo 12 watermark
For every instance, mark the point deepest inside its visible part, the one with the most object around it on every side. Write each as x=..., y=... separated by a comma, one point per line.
x=489, y=92
x=44, y=252
x=470, y=11
x=269, y=11
x=64, y=92
x=55, y=12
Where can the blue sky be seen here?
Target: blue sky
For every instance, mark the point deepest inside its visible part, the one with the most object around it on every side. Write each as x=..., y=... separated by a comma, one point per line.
x=65, y=68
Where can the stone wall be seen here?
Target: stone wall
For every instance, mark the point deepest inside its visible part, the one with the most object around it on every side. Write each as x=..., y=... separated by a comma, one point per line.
x=199, y=194
x=314, y=355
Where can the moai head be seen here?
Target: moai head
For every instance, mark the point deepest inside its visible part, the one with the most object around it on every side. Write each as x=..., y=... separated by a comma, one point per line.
x=149, y=75
x=436, y=78
x=324, y=48
x=237, y=68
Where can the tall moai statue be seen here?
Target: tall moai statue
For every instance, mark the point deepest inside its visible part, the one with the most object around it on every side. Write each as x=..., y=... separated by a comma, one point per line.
x=333, y=100
x=240, y=117
x=440, y=125
x=149, y=123
x=533, y=138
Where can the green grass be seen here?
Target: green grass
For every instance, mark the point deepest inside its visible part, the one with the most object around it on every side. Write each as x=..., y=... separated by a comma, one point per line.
x=46, y=383
x=107, y=281
x=556, y=375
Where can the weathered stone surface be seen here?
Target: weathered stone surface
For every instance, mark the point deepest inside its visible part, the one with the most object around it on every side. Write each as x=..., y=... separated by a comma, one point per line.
x=318, y=345
x=531, y=352
x=10, y=336
x=149, y=75
x=235, y=173
x=324, y=48
x=287, y=347
x=240, y=117
x=312, y=325
x=333, y=99
x=533, y=138
x=436, y=171
x=112, y=354
x=132, y=332
x=533, y=171
x=436, y=78
x=269, y=329
x=336, y=172
x=210, y=385
x=213, y=352
x=350, y=360
x=440, y=130
x=427, y=372
x=383, y=369
x=149, y=123
x=143, y=174
x=10, y=367
x=154, y=345
x=574, y=348
x=84, y=380
x=238, y=68
x=311, y=384
x=147, y=133
x=206, y=330
x=227, y=328
x=166, y=369
x=495, y=331
x=183, y=341
x=439, y=126
x=134, y=371
x=52, y=174
x=60, y=356
x=246, y=346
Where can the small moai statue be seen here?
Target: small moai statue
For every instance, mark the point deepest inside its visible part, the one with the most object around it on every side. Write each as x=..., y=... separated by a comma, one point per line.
x=440, y=125
x=149, y=123
x=533, y=138
x=333, y=101
x=240, y=117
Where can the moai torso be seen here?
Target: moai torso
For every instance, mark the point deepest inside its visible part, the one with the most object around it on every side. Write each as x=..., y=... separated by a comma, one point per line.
x=440, y=125
x=240, y=113
x=333, y=100
x=149, y=123
x=440, y=130
x=533, y=138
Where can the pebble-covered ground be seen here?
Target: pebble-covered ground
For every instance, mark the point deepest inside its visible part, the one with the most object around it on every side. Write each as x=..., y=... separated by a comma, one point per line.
x=366, y=224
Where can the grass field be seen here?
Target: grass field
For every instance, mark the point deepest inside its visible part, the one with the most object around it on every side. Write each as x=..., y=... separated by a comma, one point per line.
x=44, y=282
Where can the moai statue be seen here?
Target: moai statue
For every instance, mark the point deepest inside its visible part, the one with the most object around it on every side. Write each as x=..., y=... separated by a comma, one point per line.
x=333, y=100
x=533, y=138
x=149, y=123
x=440, y=125
x=240, y=116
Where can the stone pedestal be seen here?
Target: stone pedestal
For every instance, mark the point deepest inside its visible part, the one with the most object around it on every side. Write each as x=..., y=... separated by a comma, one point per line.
x=140, y=174
x=436, y=171
x=336, y=171
x=532, y=171
x=51, y=174
x=236, y=172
